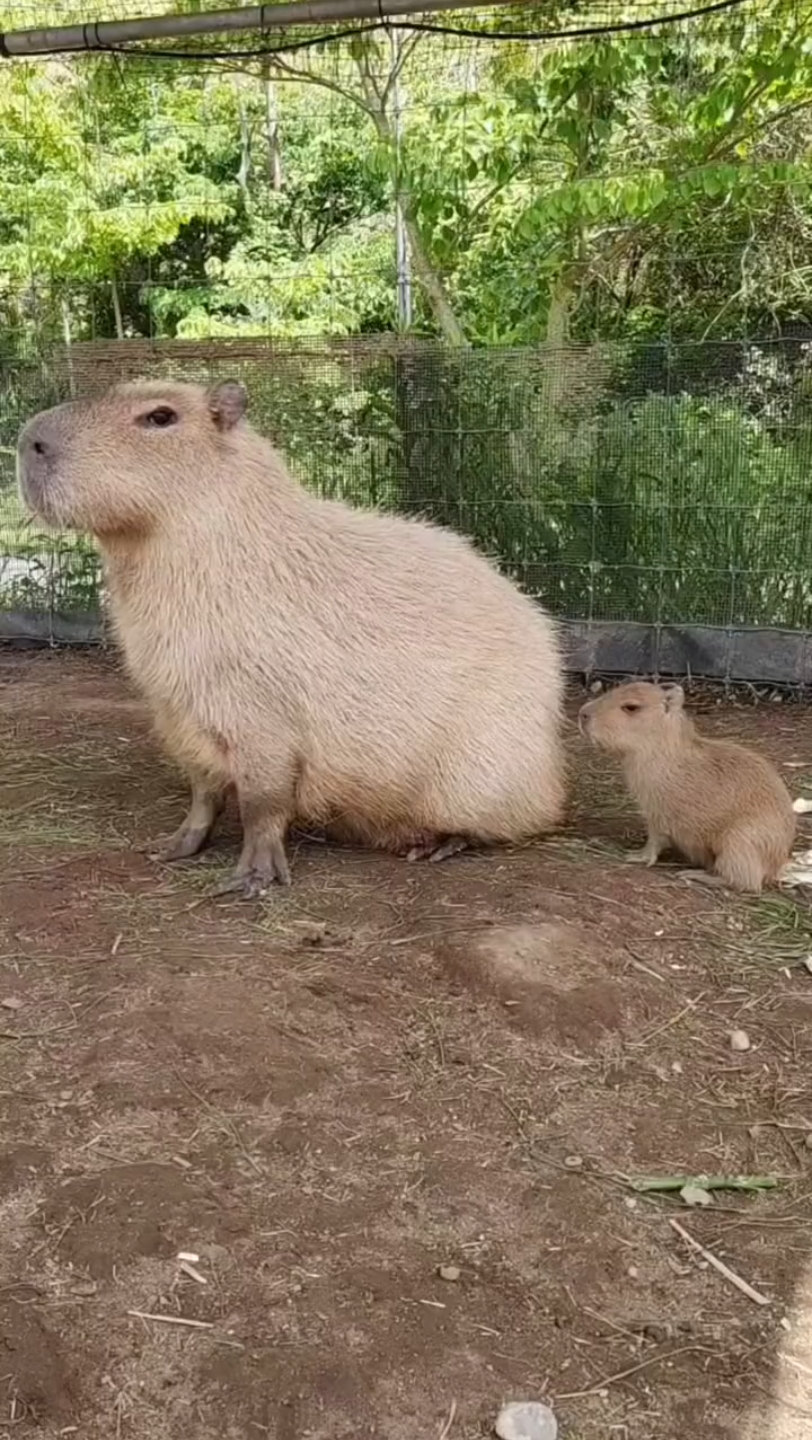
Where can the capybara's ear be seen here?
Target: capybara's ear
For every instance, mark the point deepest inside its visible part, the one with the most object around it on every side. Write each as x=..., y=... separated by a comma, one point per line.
x=674, y=697
x=228, y=400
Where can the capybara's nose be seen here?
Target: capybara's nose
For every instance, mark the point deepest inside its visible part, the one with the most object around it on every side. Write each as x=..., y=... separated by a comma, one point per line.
x=35, y=457
x=34, y=445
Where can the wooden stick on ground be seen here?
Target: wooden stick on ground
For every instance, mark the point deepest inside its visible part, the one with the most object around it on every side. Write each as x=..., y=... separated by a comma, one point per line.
x=720, y=1265
x=171, y=1320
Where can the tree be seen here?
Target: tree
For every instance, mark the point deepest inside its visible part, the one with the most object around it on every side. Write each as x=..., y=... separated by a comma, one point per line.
x=97, y=173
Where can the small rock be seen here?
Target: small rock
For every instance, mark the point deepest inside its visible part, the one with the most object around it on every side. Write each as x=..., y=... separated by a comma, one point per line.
x=676, y=1067
x=448, y=1272
x=777, y=698
x=312, y=932
x=83, y=1289
x=11, y=1003
x=596, y=687
x=695, y=1195
x=633, y=1272
x=574, y=1162
x=739, y=1040
x=660, y=1333
x=526, y=1420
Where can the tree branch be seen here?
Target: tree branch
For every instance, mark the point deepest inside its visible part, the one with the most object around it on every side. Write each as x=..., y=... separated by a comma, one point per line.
x=283, y=71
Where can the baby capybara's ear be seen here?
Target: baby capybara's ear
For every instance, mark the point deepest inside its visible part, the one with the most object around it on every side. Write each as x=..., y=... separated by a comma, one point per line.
x=227, y=401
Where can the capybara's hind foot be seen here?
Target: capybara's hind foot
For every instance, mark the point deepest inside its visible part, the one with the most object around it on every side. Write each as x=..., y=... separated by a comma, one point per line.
x=703, y=877
x=640, y=857
x=434, y=852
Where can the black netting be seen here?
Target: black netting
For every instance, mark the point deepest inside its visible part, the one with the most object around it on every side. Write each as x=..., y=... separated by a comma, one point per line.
x=627, y=430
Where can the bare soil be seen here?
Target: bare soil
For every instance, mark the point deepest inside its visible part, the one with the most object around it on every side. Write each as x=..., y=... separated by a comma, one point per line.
x=392, y=1070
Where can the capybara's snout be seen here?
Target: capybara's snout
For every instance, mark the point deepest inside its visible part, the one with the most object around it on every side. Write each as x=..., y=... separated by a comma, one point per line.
x=37, y=455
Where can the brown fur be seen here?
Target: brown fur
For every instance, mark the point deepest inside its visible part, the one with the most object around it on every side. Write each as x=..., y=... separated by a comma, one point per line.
x=333, y=665
x=723, y=806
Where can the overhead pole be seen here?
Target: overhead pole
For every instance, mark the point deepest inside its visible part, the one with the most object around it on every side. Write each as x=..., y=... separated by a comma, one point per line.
x=106, y=34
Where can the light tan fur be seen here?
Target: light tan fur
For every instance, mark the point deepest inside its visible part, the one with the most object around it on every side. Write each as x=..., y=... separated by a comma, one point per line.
x=335, y=665
x=722, y=805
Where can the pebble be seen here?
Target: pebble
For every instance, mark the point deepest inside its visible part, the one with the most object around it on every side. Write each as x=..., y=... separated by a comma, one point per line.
x=739, y=1040
x=526, y=1420
x=574, y=1162
x=449, y=1272
x=695, y=1195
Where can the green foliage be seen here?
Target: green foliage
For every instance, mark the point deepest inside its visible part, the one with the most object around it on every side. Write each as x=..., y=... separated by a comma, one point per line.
x=630, y=188
x=669, y=508
x=80, y=203
x=677, y=508
x=610, y=186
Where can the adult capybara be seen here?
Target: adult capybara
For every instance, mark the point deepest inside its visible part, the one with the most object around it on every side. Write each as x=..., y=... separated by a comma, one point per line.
x=722, y=805
x=335, y=666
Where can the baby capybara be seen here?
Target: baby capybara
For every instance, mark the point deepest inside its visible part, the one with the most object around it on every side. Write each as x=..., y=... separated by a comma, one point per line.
x=722, y=805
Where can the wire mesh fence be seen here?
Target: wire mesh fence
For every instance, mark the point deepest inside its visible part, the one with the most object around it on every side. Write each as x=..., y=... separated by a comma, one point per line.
x=551, y=293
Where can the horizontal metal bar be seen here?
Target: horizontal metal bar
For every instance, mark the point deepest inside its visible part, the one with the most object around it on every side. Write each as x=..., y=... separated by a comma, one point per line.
x=100, y=35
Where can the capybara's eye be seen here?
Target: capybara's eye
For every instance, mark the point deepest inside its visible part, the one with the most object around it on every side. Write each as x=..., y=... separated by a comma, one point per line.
x=159, y=418
x=630, y=709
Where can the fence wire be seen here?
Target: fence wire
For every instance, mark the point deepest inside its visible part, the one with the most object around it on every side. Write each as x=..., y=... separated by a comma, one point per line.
x=553, y=294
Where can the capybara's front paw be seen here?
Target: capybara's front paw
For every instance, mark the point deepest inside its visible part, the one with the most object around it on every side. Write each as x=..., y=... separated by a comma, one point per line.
x=254, y=881
x=183, y=845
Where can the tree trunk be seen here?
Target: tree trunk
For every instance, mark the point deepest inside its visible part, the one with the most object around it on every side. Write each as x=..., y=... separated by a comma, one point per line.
x=66, y=331
x=557, y=337
x=244, y=171
x=119, y=319
x=427, y=276
x=275, y=173
x=432, y=285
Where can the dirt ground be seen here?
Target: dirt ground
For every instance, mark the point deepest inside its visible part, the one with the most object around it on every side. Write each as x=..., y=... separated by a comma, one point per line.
x=395, y=1113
